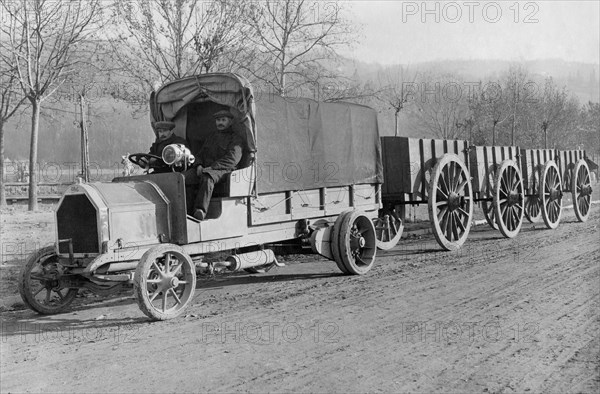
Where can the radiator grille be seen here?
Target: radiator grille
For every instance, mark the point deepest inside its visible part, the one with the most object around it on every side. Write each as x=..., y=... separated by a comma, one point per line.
x=76, y=219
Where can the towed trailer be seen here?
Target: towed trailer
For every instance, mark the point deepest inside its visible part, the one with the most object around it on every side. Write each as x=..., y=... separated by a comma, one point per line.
x=575, y=175
x=450, y=176
x=432, y=172
x=310, y=172
x=548, y=174
x=498, y=185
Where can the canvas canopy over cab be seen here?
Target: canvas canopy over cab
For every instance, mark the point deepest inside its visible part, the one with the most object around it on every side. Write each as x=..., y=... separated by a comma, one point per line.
x=297, y=143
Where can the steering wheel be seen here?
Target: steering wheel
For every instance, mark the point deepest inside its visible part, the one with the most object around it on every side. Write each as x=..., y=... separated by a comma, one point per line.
x=143, y=160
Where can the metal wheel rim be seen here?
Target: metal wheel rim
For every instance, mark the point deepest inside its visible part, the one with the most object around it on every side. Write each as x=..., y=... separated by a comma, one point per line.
x=166, y=284
x=451, y=216
x=487, y=208
x=509, y=199
x=551, y=195
x=42, y=279
x=581, y=201
x=533, y=204
x=388, y=230
x=362, y=242
x=533, y=209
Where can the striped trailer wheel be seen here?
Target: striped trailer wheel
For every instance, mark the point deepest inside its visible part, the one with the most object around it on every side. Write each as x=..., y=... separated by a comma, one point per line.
x=509, y=198
x=581, y=189
x=551, y=194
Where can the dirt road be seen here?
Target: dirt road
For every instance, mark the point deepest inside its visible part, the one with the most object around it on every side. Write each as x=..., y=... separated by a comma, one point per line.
x=499, y=315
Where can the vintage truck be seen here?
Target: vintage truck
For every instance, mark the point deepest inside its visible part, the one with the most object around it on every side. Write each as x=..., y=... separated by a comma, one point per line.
x=310, y=171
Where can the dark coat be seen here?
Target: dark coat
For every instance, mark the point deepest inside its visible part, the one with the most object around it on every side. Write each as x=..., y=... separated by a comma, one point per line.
x=220, y=154
x=158, y=146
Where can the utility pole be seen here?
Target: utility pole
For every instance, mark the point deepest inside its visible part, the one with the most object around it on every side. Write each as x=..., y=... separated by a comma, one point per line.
x=514, y=119
x=85, y=155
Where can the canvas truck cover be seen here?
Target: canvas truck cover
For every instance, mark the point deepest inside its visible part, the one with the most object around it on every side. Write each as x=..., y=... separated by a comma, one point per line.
x=299, y=143
x=305, y=144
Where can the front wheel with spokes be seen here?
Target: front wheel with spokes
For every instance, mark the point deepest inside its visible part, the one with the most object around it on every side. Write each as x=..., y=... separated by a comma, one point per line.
x=40, y=283
x=165, y=281
x=450, y=202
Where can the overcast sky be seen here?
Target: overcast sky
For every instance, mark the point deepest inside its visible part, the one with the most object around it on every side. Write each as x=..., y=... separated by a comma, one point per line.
x=407, y=31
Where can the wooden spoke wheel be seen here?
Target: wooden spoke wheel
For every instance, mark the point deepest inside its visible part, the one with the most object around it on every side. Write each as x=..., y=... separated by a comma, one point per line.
x=533, y=204
x=488, y=212
x=551, y=195
x=486, y=205
x=581, y=188
x=388, y=229
x=354, y=244
x=450, y=202
x=509, y=198
x=40, y=283
x=164, y=282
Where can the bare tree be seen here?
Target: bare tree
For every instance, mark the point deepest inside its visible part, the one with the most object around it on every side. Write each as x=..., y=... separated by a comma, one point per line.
x=397, y=89
x=490, y=106
x=40, y=39
x=516, y=88
x=156, y=41
x=589, y=134
x=550, y=106
x=11, y=99
x=293, y=39
x=441, y=106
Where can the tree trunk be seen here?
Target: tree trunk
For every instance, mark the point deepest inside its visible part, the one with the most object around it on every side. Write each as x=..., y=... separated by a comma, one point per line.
x=33, y=172
x=2, y=188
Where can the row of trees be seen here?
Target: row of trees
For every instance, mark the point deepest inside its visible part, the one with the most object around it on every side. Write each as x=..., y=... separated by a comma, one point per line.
x=286, y=47
x=514, y=109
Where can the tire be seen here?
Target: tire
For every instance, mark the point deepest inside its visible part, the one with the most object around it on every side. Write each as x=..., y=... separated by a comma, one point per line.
x=551, y=195
x=509, y=198
x=450, y=202
x=388, y=229
x=581, y=189
x=533, y=204
x=355, y=243
x=155, y=278
x=45, y=267
x=335, y=242
x=487, y=205
x=488, y=213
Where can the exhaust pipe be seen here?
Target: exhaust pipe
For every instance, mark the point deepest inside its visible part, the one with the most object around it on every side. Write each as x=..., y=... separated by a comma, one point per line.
x=257, y=258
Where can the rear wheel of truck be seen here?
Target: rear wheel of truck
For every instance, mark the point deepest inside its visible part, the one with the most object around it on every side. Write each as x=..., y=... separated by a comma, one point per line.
x=354, y=243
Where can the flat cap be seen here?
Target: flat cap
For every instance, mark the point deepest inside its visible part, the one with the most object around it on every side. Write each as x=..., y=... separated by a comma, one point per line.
x=164, y=125
x=223, y=114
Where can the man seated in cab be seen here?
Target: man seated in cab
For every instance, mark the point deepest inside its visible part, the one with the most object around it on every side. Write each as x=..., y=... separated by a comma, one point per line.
x=219, y=156
x=164, y=136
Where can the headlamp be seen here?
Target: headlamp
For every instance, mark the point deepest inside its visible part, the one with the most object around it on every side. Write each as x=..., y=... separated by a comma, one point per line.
x=177, y=155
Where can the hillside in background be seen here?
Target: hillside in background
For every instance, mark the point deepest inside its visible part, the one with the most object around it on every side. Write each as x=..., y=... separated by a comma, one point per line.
x=118, y=127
